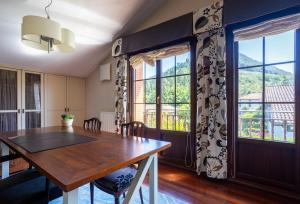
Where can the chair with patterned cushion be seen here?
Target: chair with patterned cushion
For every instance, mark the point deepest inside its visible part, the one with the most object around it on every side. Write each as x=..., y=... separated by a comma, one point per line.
x=118, y=182
x=93, y=124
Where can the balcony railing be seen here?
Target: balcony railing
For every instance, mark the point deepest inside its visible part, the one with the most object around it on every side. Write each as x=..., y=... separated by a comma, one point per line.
x=169, y=121
x=275, y=129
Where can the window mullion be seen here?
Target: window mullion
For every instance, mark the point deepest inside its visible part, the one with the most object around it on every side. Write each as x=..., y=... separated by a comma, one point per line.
x=263, y=90
x=158, y=94
x=175, y=94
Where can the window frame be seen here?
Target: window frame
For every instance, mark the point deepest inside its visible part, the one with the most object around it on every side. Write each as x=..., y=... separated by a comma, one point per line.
x=192, y=74
x=263, y=103
x=234, y=143
x=175, y=103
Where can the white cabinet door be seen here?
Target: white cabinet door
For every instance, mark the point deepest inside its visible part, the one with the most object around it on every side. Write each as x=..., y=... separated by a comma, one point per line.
x=32, y=100
x=76, y=99
x=10, y=99
x=55, y=99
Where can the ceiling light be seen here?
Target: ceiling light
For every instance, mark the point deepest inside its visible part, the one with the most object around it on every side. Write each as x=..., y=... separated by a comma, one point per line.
x=45, y=34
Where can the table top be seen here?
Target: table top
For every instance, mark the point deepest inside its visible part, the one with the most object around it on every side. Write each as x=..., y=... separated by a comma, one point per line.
x=73, y=166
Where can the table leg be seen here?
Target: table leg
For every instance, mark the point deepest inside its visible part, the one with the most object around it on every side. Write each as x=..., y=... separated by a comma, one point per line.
x=5, y=165
x=71, y=197
x=153, y=180
x=148, y=164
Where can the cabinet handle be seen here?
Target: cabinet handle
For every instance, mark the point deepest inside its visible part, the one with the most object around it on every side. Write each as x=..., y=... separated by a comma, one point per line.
x=68, y=109
x=19, y=111
x=65, y=109
x=23, y=110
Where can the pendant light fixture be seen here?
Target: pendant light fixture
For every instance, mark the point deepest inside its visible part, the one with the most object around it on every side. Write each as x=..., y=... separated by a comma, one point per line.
x=45, y=34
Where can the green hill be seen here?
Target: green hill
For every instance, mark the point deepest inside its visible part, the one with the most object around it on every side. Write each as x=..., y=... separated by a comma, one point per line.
x=245, y=61
x=250, y=80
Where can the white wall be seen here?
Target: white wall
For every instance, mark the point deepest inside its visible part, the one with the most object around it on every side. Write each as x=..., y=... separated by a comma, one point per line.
x=101, y=95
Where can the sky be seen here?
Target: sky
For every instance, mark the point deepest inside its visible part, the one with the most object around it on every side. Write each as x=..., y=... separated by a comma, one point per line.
x=278, y=48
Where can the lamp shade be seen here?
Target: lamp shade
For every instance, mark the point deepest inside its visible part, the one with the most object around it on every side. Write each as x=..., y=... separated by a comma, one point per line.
x=67, y=41
x=34, y=28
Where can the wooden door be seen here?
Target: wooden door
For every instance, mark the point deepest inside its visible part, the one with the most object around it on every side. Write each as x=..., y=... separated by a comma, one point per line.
x=265, y=111
x=55, y=99
x=163, y=98
x=76, y=99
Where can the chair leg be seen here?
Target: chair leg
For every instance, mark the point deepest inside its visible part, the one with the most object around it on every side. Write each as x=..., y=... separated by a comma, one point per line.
x=141, y=196
x=117, y=200
x=47, y=188
x=92, y=192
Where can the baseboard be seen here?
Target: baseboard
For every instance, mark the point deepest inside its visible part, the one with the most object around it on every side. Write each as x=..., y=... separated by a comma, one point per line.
x=266, y=188
x=179, y=165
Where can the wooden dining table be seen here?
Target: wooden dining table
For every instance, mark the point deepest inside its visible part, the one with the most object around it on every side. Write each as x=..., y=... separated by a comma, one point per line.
x=72, y=166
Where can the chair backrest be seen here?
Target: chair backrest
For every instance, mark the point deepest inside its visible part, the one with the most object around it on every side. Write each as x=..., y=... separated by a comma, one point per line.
x=93, y=124
x=134, y=128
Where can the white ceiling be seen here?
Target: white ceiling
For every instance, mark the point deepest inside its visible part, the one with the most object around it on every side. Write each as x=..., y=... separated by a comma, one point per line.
x=94, y=22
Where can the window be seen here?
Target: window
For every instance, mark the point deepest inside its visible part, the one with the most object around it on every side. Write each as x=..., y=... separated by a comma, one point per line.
x=145, y=94
x=175, y=92
x=162, y=93
x=266, y=87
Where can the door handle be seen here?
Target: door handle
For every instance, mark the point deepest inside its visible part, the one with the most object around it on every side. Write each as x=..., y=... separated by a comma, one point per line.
x=157, y=100
x=19, y=111
x=23, y=110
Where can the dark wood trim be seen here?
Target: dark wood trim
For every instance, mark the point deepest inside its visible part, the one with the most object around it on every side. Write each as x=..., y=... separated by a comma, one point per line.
x=262, y=180
x=267, y=143
x=158, y=94
x=175, y=163
x=285, y=12
x=232, y=80
x=129, y=89
x=169, y=44
x=166, y=32
x=192, y=41
x=297, y=105
x=130, y=92
x=266, y=188
x=193, y=49
x=230, y=83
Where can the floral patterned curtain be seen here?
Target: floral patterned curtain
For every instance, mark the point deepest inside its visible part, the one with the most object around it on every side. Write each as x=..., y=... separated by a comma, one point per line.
x=211, y=105
x=121, y=92
x=211, y=132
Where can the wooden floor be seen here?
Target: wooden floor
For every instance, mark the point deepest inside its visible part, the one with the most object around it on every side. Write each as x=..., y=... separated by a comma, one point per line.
x=189, y=187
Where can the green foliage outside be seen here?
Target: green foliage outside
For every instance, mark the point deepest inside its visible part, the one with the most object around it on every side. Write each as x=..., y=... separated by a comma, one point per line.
x=251, y=82
x=181, y=121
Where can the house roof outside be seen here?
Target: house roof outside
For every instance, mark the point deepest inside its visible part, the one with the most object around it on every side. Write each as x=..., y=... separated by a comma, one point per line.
x=276, y=94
